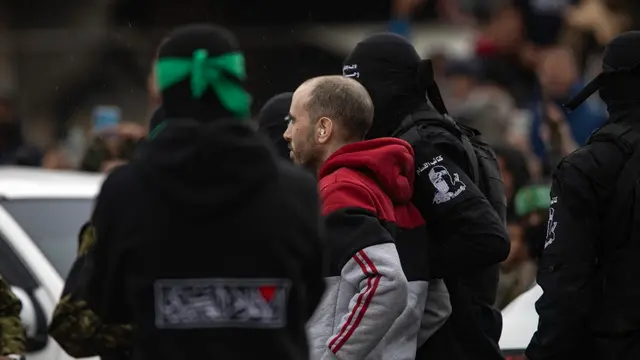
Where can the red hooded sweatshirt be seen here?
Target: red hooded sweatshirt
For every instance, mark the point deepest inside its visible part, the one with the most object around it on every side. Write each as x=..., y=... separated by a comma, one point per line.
x=377, y=257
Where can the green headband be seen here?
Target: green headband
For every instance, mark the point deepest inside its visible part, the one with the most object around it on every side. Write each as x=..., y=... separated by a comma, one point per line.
x=208, y=71
x=532, y=198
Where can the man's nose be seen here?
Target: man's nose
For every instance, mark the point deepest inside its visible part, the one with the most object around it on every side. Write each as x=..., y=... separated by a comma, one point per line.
x=287, y=134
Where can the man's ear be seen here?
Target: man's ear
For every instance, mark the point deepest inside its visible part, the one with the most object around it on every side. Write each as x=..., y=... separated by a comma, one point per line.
x=324, y=130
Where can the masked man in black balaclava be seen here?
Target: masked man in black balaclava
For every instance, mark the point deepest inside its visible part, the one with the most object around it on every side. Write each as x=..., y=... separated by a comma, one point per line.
x=188, y=248
x=468, y=238
x=272, y=122
x=589, y=266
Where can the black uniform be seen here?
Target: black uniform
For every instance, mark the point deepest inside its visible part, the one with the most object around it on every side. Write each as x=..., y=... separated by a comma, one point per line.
x=589, y=266
x=207, y=243
x=582, y=183
x=469, y=237
x=462, y=208
x=469, y=241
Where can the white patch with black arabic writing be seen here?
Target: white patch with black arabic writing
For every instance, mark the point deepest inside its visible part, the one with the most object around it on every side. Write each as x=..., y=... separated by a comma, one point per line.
x=447, y=186
x=221, y=303
x=551, y=225
x=428, y=164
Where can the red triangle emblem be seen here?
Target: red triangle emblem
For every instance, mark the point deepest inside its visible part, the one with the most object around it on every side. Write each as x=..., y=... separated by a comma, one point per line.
x=267, y=292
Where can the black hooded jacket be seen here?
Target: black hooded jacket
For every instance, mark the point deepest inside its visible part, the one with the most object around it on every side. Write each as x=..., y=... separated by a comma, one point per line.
x=468, y=243
x=210, y=226
x=468, y=237
x=589, y=261
x=574, y=317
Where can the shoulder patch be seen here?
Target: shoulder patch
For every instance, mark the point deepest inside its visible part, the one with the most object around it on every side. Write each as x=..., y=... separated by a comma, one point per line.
x=447, y=185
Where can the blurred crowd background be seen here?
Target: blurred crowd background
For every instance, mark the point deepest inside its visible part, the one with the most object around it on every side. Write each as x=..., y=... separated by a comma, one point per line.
x=76, y=90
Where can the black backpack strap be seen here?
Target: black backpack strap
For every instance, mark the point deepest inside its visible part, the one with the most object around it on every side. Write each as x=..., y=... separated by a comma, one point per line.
x=627, y=179
x=622, y=136
x=412, y=135
x=471, y=156
x=435, y=97
x=468, y=148
x=628, y=140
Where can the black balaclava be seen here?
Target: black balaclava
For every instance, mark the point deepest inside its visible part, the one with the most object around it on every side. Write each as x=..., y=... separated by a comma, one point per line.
x=618, y=82
x=200, y=72
x=389, y=67
x=271, y=121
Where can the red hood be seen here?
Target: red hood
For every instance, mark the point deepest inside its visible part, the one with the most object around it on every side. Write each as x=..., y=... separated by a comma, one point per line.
x=389, y=161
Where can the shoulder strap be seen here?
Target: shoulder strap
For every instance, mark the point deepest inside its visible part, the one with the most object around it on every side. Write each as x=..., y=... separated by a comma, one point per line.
x=622, y=136
x=471, y=155
x=628, y=141
x=412, y=135
x=468, y=148
x=408, y=130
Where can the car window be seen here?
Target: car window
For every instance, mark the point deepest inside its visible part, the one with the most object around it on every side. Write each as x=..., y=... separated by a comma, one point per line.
x=53, y=225
x=13, y=270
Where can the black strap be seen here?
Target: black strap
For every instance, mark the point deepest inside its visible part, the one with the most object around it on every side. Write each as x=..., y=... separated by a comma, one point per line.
x=621, y=135
x=473, y=159
x=624, y=187
x=629, y=142
x=604, y=77
x=468, y=149
x=412, y=136
x=425, y=73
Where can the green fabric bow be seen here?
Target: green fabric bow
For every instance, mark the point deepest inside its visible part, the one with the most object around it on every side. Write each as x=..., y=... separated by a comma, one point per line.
x=208, y=71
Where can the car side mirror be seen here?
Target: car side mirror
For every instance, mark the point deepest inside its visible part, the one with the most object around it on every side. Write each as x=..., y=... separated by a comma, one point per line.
x=33, y=320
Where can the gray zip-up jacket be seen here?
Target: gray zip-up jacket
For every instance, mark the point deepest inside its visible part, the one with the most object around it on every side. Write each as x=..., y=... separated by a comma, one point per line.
x=377, y=274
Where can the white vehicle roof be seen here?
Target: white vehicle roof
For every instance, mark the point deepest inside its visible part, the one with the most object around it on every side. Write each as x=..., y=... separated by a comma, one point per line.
x=29, y=183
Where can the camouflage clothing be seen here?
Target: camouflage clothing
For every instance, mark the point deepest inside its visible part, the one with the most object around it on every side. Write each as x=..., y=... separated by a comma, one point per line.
x=78, y=330
x=12, y=336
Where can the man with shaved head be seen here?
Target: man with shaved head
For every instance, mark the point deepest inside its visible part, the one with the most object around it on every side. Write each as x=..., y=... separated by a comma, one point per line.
x=376, y=272
x=317, y=107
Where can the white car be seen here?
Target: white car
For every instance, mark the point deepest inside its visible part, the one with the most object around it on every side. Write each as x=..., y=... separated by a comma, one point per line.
x=41, y=213
x=519, y=322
